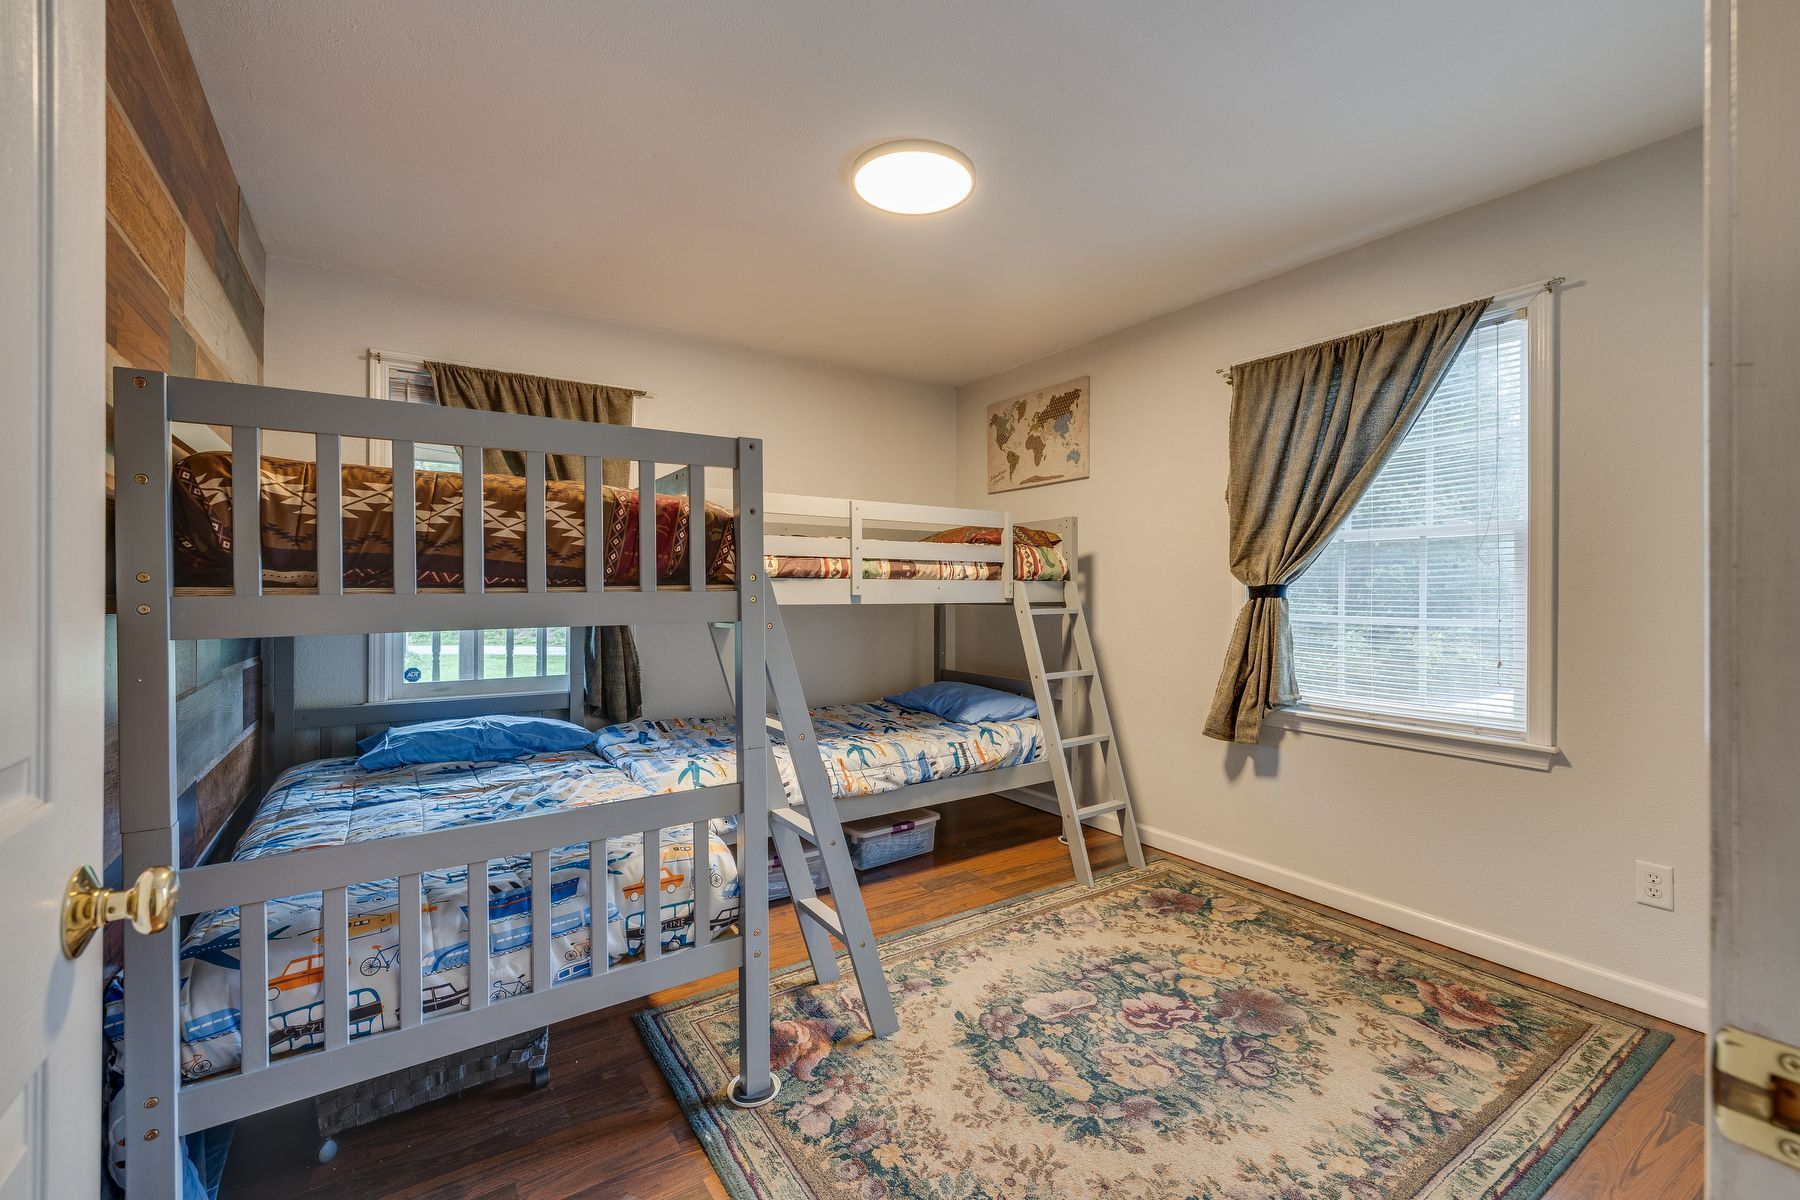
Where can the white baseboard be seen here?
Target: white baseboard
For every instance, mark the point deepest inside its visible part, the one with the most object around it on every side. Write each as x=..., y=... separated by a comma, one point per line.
x=1640, y=994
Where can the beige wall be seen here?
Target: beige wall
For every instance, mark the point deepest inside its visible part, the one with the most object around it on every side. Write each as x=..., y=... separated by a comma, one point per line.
x=1530, y=868
x=827, y=431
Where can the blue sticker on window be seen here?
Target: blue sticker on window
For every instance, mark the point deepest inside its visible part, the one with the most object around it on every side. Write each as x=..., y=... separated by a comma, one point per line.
x=413, y=674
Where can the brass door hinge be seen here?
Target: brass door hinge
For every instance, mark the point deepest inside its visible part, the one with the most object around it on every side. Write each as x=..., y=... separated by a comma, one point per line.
x=1756, y=1094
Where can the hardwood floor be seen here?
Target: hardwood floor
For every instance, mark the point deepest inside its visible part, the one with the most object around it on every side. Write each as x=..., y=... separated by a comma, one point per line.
x=608, y=1127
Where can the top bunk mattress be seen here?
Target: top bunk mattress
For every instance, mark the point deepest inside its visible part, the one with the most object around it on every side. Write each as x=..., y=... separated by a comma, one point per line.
x=290, y=555
x=1037, y=554
x=203, y=534
x=1042, y=563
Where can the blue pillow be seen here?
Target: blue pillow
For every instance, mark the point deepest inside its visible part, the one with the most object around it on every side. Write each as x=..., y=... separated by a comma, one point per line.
x=967, y=703
x=470, y=739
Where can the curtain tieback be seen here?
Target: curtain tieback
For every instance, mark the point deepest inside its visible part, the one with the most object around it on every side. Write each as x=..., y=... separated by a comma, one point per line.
x=1268, y=591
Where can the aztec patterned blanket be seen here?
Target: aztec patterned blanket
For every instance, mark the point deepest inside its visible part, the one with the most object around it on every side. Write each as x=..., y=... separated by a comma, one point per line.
x=290, y=554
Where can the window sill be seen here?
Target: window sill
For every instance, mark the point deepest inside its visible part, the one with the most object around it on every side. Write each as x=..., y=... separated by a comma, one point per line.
x=1432, y=740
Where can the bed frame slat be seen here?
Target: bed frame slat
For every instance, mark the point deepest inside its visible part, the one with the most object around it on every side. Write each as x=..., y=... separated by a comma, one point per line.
x=328, y=477
x=412, y=986
x=406, y=521
x=246, y=510
x=474, y=504
x=477, y=903
x=593, y=521
x=334, y=928
x=646, y=525
x=575, y=643
x=697, y=552
x=701, y=874
x=253, y=985
x=536, y=579
x=600, y=958
x=652, y=856
x=541, y=973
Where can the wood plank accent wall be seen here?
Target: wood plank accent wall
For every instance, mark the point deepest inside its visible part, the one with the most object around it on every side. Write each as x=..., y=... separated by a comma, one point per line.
x=184, y=294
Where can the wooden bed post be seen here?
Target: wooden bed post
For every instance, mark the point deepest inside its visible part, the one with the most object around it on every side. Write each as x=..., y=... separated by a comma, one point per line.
x=147, y=796
x=280, y=748
x=754, y=1084
x=575, y=656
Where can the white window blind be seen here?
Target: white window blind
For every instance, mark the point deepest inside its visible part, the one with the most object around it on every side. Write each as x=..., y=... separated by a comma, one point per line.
x=478, y=660
x=411, y=384
x=1417, y=609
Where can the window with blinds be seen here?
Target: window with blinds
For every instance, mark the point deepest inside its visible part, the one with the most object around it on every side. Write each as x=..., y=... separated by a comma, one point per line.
x=411, y=383
x=1417, y=608
x=454, y=662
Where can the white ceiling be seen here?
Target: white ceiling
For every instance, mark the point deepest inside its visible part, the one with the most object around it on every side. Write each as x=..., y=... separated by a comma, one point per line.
x=682, y=165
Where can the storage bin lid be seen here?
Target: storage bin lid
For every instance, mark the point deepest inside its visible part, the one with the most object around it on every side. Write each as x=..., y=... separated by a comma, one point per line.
x=814, y=856
x=880, y=827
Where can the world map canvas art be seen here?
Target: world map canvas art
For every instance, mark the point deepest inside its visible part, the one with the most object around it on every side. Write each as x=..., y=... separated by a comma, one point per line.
x=1037, y=438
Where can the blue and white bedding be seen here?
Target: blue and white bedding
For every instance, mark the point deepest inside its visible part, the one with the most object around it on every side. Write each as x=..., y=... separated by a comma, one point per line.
x=333, y=801
x=867, y=748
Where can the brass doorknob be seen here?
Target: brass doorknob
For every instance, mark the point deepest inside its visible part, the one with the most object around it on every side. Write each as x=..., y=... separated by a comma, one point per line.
x=147, y=904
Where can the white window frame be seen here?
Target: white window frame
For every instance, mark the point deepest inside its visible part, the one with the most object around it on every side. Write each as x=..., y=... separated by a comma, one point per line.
x=385, y=651
x=1537, y=747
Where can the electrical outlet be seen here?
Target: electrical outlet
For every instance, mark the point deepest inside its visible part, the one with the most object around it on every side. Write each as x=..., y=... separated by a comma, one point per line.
x=1655, y=885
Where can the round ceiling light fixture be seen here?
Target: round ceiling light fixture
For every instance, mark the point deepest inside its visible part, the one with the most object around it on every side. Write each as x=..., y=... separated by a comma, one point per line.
x=913, y=177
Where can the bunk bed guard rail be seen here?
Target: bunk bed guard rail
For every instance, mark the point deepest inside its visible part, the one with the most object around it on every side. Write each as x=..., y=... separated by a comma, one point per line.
x=153, y=613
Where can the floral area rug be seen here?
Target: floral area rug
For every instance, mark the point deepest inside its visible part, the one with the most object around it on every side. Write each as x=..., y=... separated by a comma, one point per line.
x=1167, y=1034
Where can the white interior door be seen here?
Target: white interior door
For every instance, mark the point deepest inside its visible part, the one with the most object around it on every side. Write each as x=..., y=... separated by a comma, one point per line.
x=52, y=545
x=1753, y=410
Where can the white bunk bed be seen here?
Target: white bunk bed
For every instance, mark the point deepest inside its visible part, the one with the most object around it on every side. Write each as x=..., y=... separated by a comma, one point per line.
x=154, y=613
x=861, y=538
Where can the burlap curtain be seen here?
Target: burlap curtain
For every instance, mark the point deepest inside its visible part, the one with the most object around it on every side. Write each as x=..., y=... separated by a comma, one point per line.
x=614, y=683
x=1309, y=431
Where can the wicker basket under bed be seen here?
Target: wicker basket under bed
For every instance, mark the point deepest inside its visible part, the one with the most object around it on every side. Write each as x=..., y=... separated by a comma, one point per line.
x=386, y=1095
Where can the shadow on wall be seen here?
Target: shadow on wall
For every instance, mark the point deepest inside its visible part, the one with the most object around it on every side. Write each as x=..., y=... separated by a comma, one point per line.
x=1263, y=759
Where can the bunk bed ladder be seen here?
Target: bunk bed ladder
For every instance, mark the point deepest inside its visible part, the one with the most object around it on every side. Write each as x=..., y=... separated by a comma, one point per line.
x=1051, y=688
x=816, y=821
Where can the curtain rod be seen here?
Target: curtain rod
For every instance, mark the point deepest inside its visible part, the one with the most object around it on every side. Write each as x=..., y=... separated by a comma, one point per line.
x=401, y=356
x=1520, y=292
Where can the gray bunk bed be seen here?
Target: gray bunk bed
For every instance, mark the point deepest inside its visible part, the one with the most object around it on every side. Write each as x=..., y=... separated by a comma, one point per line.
x=154, y=613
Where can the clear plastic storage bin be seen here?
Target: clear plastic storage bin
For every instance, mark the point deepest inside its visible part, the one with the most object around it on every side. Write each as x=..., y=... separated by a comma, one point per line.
x=875, y=841
x=778, y=884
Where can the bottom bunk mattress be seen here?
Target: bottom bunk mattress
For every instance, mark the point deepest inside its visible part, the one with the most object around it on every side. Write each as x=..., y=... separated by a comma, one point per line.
x=867, y=748
x=333, y=801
